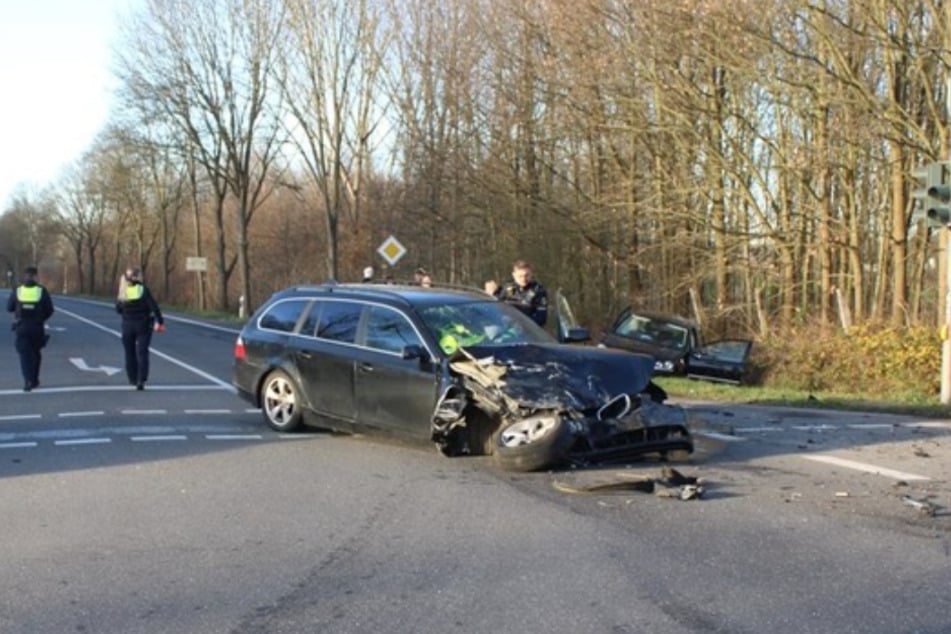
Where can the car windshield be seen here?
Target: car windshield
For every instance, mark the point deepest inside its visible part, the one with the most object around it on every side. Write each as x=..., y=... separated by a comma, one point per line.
x=482, y=323
x=654, y=331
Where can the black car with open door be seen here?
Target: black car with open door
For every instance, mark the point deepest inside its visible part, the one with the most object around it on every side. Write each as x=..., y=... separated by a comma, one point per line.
x=678, y=347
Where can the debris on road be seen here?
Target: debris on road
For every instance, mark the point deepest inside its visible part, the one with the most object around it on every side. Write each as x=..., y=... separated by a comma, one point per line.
x=671, y=484
x=923, y=506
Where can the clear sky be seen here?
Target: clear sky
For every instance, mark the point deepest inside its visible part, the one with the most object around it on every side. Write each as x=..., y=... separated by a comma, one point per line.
x=55, y=84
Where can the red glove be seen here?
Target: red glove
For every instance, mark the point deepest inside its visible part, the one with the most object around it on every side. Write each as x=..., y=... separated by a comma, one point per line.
x=159, y=327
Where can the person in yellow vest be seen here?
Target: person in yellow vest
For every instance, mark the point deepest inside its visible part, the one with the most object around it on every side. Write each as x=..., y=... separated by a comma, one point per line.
x=32, y=306
x=140, y=315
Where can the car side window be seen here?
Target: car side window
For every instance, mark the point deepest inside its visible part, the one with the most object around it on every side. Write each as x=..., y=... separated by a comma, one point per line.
x=338, y=321
x=283, y=315
x=388, y=330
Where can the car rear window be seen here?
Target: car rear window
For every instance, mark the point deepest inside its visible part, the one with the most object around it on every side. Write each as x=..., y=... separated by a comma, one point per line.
x=283, y=315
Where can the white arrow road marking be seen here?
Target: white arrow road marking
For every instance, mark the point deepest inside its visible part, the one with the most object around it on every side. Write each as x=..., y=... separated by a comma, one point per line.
x=158, y=353
x=80, y=363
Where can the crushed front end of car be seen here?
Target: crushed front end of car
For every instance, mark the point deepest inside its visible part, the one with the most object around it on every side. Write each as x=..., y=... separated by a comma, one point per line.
x=535, y=407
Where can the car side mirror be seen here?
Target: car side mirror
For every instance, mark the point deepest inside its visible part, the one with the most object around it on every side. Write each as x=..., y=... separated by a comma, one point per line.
x=577, y=334
x=413, y=351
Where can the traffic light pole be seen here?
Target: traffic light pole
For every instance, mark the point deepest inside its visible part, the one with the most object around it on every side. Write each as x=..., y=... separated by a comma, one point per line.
x=935, y=199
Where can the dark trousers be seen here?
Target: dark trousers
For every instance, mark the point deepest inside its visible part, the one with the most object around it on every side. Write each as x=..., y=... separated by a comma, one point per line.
x=136, y=338
x=29, y=342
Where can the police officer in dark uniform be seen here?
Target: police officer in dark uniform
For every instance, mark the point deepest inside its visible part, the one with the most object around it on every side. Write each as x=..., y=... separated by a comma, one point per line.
x=32, y=306
x=523, y=292
x=140, y=314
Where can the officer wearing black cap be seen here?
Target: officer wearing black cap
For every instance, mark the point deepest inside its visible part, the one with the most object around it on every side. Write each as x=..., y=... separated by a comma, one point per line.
x=32, y=306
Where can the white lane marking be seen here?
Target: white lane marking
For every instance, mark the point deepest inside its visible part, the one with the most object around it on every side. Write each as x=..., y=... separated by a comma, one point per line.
x=16, y=445
x=718, y=436
x=814, y=427
x=83, y=441
x=21, y=417
x=80, y=414
x=757, y=430
x=117, y=388
x=871, y=426
x=253, y=410
x=942, y=425
x=233, y=436
x=156, y=352
x=150, y=438
x=867, y=468
x=207, y=411
x=143, y=412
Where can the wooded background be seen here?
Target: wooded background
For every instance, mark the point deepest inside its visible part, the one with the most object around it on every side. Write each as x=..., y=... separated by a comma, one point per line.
x=744, y=162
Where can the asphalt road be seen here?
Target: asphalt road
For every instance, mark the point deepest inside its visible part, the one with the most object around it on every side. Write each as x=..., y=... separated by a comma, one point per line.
x=176, y=510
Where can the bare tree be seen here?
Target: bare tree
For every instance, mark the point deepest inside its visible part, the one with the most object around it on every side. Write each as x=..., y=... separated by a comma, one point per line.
x=329, y=75
x=203, y=68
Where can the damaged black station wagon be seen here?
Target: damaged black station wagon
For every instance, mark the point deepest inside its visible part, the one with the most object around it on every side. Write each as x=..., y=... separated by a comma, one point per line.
x=453, y=367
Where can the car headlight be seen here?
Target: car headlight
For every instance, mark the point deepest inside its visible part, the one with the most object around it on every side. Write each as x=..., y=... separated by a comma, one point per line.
x=664, y=366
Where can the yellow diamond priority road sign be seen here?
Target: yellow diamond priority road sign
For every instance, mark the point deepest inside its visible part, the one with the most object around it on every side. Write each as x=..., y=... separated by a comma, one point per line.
x=391, y=250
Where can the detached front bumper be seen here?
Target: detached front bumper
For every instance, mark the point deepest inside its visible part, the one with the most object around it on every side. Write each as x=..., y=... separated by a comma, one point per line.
x=652, y=428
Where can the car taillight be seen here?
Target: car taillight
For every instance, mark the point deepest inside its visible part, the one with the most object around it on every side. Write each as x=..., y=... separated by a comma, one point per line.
x=239, y=352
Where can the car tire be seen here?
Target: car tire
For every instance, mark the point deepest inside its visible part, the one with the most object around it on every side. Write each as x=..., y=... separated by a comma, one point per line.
x=281, y=403
x=521, y=446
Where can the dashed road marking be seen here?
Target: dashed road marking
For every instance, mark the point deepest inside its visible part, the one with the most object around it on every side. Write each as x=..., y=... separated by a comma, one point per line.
x=83, y=441
x=865, y=467
x=757, y=430
x=870, y=426
x=21, y=417
x=233, y=436
x=207, y=411
x=143, y=412
x=158, y=438
x=17, y=445
x=79, y=414
x=116, y=388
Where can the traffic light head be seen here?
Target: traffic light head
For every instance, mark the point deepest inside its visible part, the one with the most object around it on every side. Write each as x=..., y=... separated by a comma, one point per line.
x=939, y=211
x=935, y=196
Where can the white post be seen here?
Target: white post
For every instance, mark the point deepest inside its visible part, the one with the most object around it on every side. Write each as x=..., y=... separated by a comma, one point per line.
x=242, y=309
x=946, y=343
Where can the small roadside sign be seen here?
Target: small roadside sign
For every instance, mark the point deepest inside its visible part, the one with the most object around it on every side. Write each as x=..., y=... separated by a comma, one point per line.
x=391, y=250
x=196, y=264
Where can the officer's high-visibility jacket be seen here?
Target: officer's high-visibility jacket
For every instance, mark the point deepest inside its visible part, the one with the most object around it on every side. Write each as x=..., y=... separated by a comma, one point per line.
x=31, y=304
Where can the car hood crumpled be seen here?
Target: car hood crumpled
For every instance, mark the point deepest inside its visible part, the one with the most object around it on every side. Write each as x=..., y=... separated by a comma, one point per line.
x=543, y=376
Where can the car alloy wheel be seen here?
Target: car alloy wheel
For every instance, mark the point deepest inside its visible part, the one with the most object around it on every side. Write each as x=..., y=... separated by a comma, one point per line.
x=533, y=443
x=527, y=431
x=280, y=402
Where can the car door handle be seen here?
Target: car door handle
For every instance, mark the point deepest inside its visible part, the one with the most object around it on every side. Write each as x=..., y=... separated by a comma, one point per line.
x=366, y=367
